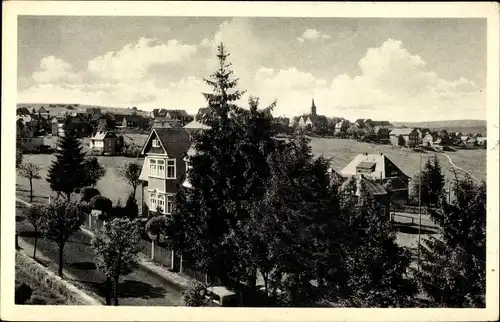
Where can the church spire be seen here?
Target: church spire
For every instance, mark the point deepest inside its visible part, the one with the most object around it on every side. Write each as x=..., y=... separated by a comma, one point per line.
x=313, y=108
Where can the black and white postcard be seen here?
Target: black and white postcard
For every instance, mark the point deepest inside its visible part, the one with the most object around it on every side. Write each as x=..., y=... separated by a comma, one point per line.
x=250, y=161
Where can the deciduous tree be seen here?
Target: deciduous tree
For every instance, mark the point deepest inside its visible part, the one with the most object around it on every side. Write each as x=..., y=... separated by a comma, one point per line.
x=93, y=171
x=34, y=214
x=60, y=220
x=131, y=171
x=31, y=172
x=116, y=248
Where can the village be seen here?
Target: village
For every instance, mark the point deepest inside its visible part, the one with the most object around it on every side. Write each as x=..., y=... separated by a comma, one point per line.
x=166, y=142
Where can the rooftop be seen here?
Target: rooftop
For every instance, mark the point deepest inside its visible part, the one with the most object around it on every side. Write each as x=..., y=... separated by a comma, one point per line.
x=384, y=167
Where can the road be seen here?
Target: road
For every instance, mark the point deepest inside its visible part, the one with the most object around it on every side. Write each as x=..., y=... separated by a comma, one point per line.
x=458, y=168
x=140, y=288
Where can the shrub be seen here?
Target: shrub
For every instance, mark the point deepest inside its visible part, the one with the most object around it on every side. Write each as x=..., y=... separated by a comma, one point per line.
x=195, y=295
x=101, y=203
x=23, y=293
x=87, y=193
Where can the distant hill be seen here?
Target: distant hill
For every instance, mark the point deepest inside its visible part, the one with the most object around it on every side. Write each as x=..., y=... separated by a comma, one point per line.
x=465, y=126
x=56, y=108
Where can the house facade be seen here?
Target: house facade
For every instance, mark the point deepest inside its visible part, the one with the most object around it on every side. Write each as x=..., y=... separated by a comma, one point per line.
x=176, y=116
x=342, y=126
x=164, y=167
x=104, y=142
x=404, y=137
x=382, y=133
x=428, y=140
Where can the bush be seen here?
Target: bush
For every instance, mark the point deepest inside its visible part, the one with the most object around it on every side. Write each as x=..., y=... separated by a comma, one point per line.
x=87, y=193
x=38, y=300
x=101, y=203
x=195, y=295
x=23, y=293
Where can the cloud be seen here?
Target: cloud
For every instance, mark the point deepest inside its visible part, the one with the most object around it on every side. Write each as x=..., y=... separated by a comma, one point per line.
x=134, y=61
x=312, y=35
x=393, y=83
x=53, y=69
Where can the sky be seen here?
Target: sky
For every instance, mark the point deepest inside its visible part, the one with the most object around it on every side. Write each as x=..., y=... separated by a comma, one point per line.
x=380, y=68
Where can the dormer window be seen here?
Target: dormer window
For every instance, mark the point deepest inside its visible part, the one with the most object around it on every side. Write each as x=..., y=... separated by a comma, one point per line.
x=156, y=143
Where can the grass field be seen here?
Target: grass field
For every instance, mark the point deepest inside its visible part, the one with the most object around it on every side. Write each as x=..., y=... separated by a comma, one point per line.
x=342, y=151
x=111, y=185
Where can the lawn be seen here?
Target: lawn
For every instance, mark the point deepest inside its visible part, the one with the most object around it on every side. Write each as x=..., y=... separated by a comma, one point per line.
x=111, y=185
x=342, y=151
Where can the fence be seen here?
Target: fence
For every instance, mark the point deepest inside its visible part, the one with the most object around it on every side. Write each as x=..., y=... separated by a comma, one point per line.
x=156, y=253
x=410, y=209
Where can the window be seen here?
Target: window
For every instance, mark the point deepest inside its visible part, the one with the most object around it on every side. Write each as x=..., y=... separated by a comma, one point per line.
x=152, y=167
x=163, y=201
x=156, y=143
x=157, y=168
x=170, y=204
x=171, y=169
x=153, y=201
x=161, y=168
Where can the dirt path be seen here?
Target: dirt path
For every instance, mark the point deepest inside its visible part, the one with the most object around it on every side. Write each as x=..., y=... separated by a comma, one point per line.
x=458, y=168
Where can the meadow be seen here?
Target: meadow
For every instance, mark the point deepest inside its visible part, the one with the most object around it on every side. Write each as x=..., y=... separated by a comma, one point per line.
x=341, y=152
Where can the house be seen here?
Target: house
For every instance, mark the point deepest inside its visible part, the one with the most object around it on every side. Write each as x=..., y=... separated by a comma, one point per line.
x=103, y=142
x=428, y=140
x=180, y=116
x=342, y=126
x=471, y=143
x=130, y=121
x=359, y=123
x=380, y=168
x=164, y=167
x=161, y=123
x=371, y=187
x=481, y=141
x=42, y=111
x=404, y=137
x=385, y=124
x=79, y=125
x=382, y=133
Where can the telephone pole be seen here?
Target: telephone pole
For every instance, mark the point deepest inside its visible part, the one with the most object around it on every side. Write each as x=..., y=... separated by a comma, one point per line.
x=419, y=212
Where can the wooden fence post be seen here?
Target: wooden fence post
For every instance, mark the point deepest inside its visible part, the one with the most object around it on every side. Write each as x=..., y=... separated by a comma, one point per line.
x=90, y=221
x=180, y=265
x=152, y=250
x=172, y=260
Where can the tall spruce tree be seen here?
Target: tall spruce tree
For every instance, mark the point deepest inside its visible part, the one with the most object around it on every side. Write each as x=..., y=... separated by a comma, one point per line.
x=453, y=269
x=223, y=174
x=375, y=268
x=67, y=171
x=432, y=183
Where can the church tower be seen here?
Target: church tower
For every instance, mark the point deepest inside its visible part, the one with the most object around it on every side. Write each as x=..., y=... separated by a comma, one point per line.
x=313, y=108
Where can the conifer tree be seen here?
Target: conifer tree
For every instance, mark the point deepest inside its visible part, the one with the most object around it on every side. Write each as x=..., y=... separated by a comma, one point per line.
x=453, y=269
x=67, y=171
x=226, y=170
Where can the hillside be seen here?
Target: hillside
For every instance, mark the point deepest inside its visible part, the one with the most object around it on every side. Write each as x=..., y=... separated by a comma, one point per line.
x=467, y=126
x=56, y=108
